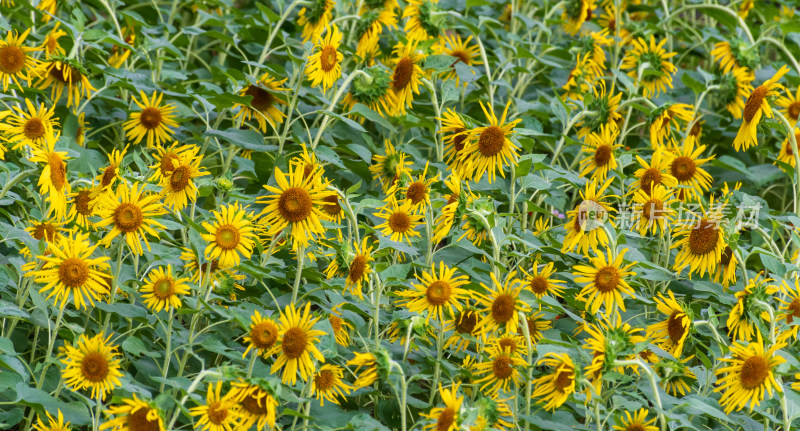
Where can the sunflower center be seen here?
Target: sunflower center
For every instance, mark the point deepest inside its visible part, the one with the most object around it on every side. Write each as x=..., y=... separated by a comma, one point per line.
x=180, y=178
x=165, y=165
x=44, y=230
x=793, y=310
x=12, y=59
x=357, y=268
x=703, y=238
x=253, y=405
x=602, y=155
x=73, y=272
x=683, y=168
x=507, y=344
x=635, y=427
x=82, y=202
x=675, y=326
x=491, y=141
x=652, y=209
x=217, y=413
x=108, y=175
x=332, y=205
x=754, y=372
x=399, y=222
x=263, y=335
x=727, y=254
x=462, y=56
x=503, y=308
x=336, y=322
x=295, y=204
x=696, y=129
x=402, y=73
x=788, y=146
x=94, y=367
x=607, y=279
x=502, y=368
x=58, y=171
x=446, y=419
x=459, y=138
x=539, y=285
x=294, y=342
x=262, y=99
x=438, y=293
x=651, y=177
x=794, y=110
x=753, y=104
x=137, y=421
x=150, y=118
x=563, y=380
x=58, y=74
x=128, y=217
x=164, y=288
x=416, y=192
x=324, y=380
x=327, y=58
x=466, y=322
x=34, y=129
x=227, y=236
x=612, y=25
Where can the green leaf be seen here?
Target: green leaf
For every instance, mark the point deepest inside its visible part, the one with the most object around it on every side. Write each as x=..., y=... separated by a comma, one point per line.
x=373, y=116
x=247, y=139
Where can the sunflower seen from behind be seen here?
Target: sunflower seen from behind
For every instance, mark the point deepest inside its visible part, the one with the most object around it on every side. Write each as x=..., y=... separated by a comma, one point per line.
x=437, y=293
x=488, y=149
x=757, y=105
x=389, y=168
x=748, y=375
x=131, y=213
x=747, y=316
x=296, y=346
x=735, y=88
x=162, y=291
x=605, y=104
x=93, y=364
x=575, y=13
x=657, y=76
x=133, y=414
x=367, y=368
x=315, y=17
x=373, y=88
x=663, y=119
x=605, y=281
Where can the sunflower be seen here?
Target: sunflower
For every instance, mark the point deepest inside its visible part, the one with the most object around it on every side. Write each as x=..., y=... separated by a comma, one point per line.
x=458, y=193
x=536, y=324
x=400, y=222
x=62, y=75
x=501, y=305
x=786, y=153
x=32, y=128
x=162, y=289
x=389, y=168
x=178, y=186
x=325, y=64
x=91, y=363
x=369, y=27
x=220, y=278
x=53, y=424
x=687, y=168
x=133, y=414
x=501, y=371
x=657, y=76
x=700, y=240
x=256, y=405
x=655, y=173
x=735, y=87
x=745, y=7
x=582, y=77
x=315, y=18
x=53, y=179
x=219, y=413
x=575, y=13
x=726, y=268
x=167, y=158
x=328, y=384
x=662, y=120
x=262, y=336
x=369, y=363
x=756, y=105
x=790, y=306
x=82, y=206
x=359, y=268
x=424, y=20
x=746, y=316
x=599, y=149
x=461, y=49
x=749, y=375
x=120, y=53
x=605, y=281
x=373, y=88
x=417, y=192
x=790, y=106
x=16, y=63
x=676, y=377
x=608, y=21
x=231, y=235
x=489, y=148
x=154, y=122
x=50, y=45
x=110, y=173
x=463, y=324
x=652, y=211
x=512, y=343
x=407, y=73
x=605, y=105
x=556, y=387
x=540, y=283
x=264, y=103
x=447, y=418
x=48, y=8
x=131, y=211
x=436, y=293
x=735, y=53
x=583, y=223
x=592, y=43
x=296, y=344
x=670, y=334
x=341, y=327
x=609, y=340
x=636, y=422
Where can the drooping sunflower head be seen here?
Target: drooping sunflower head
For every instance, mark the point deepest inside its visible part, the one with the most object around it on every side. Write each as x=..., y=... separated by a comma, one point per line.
x=582, y=77
x=265, y=102
x=604, y=106
x=735, y=87
x=650, y=65
x=461, y=49
x=256, y=403
x=329, y=384
x=676, y=376
x=373, y=88
x=315, y=17
x=489, y=149
x=575, y=13
x=735, y=53
x=61, y=75
x=407, y=73
x=555, y=387
x=422, y=20
x=749, y=313
x=133, y=414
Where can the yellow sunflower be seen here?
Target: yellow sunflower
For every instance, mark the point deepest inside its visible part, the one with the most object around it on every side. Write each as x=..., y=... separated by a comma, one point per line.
x=656, y=172
x=53, y=424
x=154, y=121
x=369, y=374
x=50, y=45
x=162, y=289
x=676, y=377
x=328, y=384
x=62, y=75
x=652, y=211
x=407, y=72
x=657, y=76
x=131, y=211
x=700, y=240
x=387, y=169
x=555, y=388
x=120, y=53
x=664, y=118
x=501, y=305
x=463, y=324
x=219, y=413
x=726, y=268
x=501, y=371
x=48, y=8
x=358, y=269
x=745, y=318
x=599, y=149
x=264, y=106
x=735, y=88
x=91, y=363
x=790, y=106
x=315, y=17
x=53, y=181
x=231, y=234
x=133, y=414
x=296, y=344
x=790, y=305
x=575, y=13
x=605, y=105
x=341, y=328
x=461, y=49
x=582, y=77
x=400, y=222
x=489, y=149
x=786, y=153
x=687, y=168
x=369, y=27
x=536, y=324
x=256, y=405
x=636, y=422
x=447, y=418
x=422, y=22
x=584, y=229
x=748, y=375
x=605, y=281
x=607, y=341
x=417, y=192
x=262, y=336
x=756, y=106
x=325, y=64
x=82, y=206
x=167, y=158
x=745, y=7
x=50, y=230
x=540, y=281
x=16, y=63
x=110, y=173
x=670, y=334
x=436, y=293
x=32, y=128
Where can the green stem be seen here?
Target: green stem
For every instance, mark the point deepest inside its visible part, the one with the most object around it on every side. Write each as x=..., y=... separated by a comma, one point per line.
x=438, y=367
x=793, y=141
x=335, y=100
x=301, y=257
x=168, y=350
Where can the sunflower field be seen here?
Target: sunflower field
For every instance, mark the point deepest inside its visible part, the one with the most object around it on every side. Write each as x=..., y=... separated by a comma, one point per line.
x=403, y=215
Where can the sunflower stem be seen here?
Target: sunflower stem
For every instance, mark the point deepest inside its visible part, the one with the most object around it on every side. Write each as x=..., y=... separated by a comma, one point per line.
x=335, y=99
x=793, y=141
x=168, y=351
x=567, y=128
x=489, y=86
x=782, y=48
x=251, y=365
x=495, y=245
x=436, y=109
x=52, y=336
x=116, y=283
x=301, y=257
x=438, y=367
x=712, y=6
x=528, y=389
x=653, y=384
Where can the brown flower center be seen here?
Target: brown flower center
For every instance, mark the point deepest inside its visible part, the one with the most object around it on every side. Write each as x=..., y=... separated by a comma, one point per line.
x=217, y=413
x=295, y=204
x=227, y=236
x=137, y=421
x=324, y=380
x=459, y=138
x=416, y=192
x=58, y=73
x=539, y=285
x=793, y=310
x=754, y=372
x=683, y=168
x=466, y=322
x=794, y=110
x=150, y=118
x=399, y=222
x=109, y=174
x=12, y=59
x=58, y=171
x=651, y=177
x=753, y=104
x=635, y=427
x=254, y=405
x=94, y=367
x=327, y=59
x=563, y=380
x=675, y=326
x=503, y=308
x=357, y=268
x=502, y=368
x=402, y=73
x=607, y=279
x=44, y=231
x=446, y=419
x=438, y=293
x=491, y=141
x=128, y=217
x=294, y=342
x=727, y=254
x=34, y=129
x=262, y=99
x=263, y=335
x=73, y=272
x=336, y=322
x=602, y=155
x=165, y=165
x=507, y=344
x=332, y=205
x=462, y=56
x=82, y=200
x=703, y=238
x=653, y=209
x=164, y=288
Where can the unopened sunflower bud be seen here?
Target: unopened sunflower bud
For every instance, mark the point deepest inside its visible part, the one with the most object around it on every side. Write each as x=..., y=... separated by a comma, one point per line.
x=224, y=183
